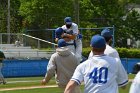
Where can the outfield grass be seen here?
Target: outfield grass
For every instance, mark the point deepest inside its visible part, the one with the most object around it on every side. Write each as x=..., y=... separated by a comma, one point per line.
x=131, y=76
x=52, y=90
x=35, y=81
x=40, y=90
x=19, y=82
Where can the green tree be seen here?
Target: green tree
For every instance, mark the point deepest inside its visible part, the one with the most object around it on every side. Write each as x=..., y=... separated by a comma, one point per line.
x=3, y=15
x=16, y=19
x=35, y=14
x=45, y=13
x=102, y=13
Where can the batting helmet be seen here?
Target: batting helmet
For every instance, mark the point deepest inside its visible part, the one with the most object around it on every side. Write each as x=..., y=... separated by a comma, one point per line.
x=59, y=31
x=62, y=43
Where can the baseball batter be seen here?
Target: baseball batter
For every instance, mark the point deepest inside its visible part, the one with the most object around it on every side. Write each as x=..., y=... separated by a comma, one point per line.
x=135, y=86
x=101, y=73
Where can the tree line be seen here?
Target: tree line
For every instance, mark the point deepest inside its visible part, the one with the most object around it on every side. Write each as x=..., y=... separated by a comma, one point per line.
x=42, y=14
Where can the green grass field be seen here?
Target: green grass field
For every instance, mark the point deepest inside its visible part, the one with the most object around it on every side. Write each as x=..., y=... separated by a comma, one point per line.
x=35, y=81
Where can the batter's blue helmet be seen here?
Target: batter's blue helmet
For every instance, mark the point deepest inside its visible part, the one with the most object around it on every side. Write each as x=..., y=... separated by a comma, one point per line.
x=68, y=20
x=59, y=31
x=62, y=43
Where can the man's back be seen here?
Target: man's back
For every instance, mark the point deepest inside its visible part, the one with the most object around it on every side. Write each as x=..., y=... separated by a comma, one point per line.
x=101, y=74
x=64, y=62
x=111, y=52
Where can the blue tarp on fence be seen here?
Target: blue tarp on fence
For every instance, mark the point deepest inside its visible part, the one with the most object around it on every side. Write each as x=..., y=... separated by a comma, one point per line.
x=129, y=63
x=17, y=68
x=23, y=68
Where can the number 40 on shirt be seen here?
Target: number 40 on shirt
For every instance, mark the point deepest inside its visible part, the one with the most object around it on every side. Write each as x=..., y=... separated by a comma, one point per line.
x=99, y=75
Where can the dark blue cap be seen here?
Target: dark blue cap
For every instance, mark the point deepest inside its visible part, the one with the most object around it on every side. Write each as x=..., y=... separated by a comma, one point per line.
x=68, y=20
x=106, y=33
x=59, y=30
x=62, y=43
x=98, y=41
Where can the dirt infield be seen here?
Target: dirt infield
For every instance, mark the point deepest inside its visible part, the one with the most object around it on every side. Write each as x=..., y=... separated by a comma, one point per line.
x=32, y=87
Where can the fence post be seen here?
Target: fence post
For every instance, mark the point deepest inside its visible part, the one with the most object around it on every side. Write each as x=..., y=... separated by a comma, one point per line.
x=38, y=44
x=0, y=38
x=53, y=36
x=127, y=64
x=37, y=53
x=113, y=44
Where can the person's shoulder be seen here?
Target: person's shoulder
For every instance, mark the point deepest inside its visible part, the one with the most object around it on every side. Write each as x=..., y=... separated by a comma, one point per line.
x=74, y=24
x=54, y=55
x=111, y=49
x=63, y=27
x=86, y=62
x=111, y=59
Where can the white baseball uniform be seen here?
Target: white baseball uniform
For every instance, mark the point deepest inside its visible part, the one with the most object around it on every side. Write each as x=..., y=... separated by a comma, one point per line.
x=108, y=51
x=101, y=74
x=135, y=86
x=74, y=30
